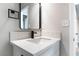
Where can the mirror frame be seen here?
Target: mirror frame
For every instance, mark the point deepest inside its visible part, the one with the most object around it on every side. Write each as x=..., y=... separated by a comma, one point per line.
x=40, y=24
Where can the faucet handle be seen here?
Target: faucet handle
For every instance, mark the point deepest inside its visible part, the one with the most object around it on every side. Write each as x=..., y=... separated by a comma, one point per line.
x=35, y=32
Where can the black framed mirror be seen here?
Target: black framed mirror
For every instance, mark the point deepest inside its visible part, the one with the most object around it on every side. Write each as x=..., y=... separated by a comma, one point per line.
x=30, y=16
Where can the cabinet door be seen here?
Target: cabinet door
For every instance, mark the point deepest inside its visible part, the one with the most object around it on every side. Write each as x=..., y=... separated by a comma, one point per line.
x=25, y=53
x=20, y=52
x=53, y=50
x=16, y=51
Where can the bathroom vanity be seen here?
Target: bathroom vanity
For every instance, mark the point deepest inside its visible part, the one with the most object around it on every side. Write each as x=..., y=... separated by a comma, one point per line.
x=37, y=45
x=41, y=46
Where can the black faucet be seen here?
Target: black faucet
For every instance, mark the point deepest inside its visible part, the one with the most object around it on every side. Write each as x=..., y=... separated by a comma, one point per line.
x=32, y=34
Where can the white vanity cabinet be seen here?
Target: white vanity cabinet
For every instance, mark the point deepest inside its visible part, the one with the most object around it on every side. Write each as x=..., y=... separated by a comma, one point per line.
x=52, y=50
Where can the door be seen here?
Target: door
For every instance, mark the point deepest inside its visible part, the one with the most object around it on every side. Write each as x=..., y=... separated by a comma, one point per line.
x=72, y=29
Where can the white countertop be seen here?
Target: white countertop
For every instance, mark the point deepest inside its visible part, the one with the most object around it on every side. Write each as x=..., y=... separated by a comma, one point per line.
x=34, y=48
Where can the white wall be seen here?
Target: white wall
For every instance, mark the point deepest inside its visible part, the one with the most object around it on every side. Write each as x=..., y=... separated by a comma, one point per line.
x=52, y=17
x=7, y=25
x=65, y=31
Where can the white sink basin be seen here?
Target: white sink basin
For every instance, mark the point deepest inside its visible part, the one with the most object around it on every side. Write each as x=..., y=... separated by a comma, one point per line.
x=35, y=41
x=38, y=40
x=36, y=45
